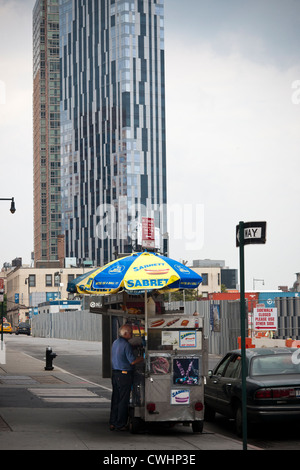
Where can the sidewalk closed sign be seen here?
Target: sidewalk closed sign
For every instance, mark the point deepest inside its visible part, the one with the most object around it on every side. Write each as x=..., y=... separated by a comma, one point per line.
x=265, y=319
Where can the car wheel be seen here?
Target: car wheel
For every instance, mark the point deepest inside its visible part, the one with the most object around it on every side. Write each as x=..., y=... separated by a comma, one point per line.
x=239, y=420
x=135, y=423
x=197, y=426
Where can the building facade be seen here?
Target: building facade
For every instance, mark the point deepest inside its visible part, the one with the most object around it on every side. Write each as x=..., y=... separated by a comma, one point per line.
x=215, y=275
x=211, y=280
x=113, y=142
x=28, y=287
x=46, y=129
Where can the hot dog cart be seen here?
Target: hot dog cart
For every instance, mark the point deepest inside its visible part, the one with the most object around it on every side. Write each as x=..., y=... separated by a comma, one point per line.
x=168, y=387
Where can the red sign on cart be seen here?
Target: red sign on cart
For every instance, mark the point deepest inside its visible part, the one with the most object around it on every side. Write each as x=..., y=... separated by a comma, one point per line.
x=148, y=233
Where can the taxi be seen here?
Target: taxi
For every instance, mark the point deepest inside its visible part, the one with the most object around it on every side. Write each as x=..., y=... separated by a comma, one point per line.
x=6, y=327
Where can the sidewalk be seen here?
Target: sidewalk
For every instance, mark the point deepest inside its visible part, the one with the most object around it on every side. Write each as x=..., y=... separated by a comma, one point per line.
x=55, y=410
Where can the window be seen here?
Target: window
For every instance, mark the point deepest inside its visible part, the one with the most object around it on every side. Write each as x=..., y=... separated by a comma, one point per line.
x=48, y=280
x=31, y=279
x=57, y=279
x=231, y=366
x=204, y=279
x=274, y=364
x=234, y=367
x=220, y=369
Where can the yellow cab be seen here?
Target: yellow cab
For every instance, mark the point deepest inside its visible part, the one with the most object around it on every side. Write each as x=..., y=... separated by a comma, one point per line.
x=6, y=327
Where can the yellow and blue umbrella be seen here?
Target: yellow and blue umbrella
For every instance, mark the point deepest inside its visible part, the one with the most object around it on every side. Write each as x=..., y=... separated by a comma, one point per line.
x=137, y=273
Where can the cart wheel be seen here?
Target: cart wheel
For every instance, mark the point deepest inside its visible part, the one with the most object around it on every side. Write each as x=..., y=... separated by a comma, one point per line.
x=197, y=426
x=135, y=425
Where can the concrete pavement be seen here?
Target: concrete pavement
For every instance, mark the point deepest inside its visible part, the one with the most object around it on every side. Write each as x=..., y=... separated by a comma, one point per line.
x=55, y=410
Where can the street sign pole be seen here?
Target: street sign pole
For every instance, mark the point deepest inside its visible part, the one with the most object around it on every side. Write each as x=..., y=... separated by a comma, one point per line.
x=243, y=333
x=2, y=315
x=247, y=233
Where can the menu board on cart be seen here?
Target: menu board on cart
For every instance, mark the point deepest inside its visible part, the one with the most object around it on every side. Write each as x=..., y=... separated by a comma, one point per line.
x=178, y=322
x=188, y=339
x=181, y=339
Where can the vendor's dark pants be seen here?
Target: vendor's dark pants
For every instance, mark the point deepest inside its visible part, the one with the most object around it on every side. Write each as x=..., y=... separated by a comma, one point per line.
x=121, y=384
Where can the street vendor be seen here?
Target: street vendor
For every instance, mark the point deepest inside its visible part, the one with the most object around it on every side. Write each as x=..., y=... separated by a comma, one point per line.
x=123, y=362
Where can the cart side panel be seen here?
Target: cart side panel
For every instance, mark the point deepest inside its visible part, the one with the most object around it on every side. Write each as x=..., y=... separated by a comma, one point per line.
x=172, y=403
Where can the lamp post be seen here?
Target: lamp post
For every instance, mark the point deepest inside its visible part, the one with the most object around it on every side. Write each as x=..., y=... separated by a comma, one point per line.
x=12, y=205
x=28, y=293
x=2, y=315
x=12, y=210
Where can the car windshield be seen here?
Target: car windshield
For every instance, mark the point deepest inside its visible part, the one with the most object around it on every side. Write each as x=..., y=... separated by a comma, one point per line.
x=276, y=364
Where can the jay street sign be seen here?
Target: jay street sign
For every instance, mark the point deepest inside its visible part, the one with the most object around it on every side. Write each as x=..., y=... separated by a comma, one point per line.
x=254, y=233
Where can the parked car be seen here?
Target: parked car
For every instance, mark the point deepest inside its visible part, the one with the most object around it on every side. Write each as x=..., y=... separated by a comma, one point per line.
x=6, y=327
x=23, y=328
x=272, y=386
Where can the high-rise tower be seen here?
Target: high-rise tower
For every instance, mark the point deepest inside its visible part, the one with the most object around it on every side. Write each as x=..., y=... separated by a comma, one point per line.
x=113, y=138
x=46, y=129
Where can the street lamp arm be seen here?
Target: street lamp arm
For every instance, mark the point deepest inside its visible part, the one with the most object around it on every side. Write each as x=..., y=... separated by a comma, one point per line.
x=12, y=206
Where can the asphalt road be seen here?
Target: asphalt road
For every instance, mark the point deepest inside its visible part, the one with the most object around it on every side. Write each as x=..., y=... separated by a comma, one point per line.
x=84, y=359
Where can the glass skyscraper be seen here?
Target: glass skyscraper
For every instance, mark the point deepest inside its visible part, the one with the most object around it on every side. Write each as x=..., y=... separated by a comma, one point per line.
x=113, y=141
x=46, y=130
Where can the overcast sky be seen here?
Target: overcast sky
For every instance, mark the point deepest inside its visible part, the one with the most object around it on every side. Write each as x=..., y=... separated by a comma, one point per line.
x=233, y=131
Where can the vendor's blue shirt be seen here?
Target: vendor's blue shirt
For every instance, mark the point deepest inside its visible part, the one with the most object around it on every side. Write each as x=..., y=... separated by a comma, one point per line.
x=122, y=355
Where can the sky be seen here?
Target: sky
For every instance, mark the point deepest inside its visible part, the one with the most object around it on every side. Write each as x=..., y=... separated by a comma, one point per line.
x=233, y=132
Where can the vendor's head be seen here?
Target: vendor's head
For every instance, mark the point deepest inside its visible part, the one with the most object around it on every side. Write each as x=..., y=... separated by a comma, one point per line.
x=125, y=331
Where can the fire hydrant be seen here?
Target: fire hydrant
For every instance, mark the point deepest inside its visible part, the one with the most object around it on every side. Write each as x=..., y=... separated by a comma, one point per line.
x=49, y=358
